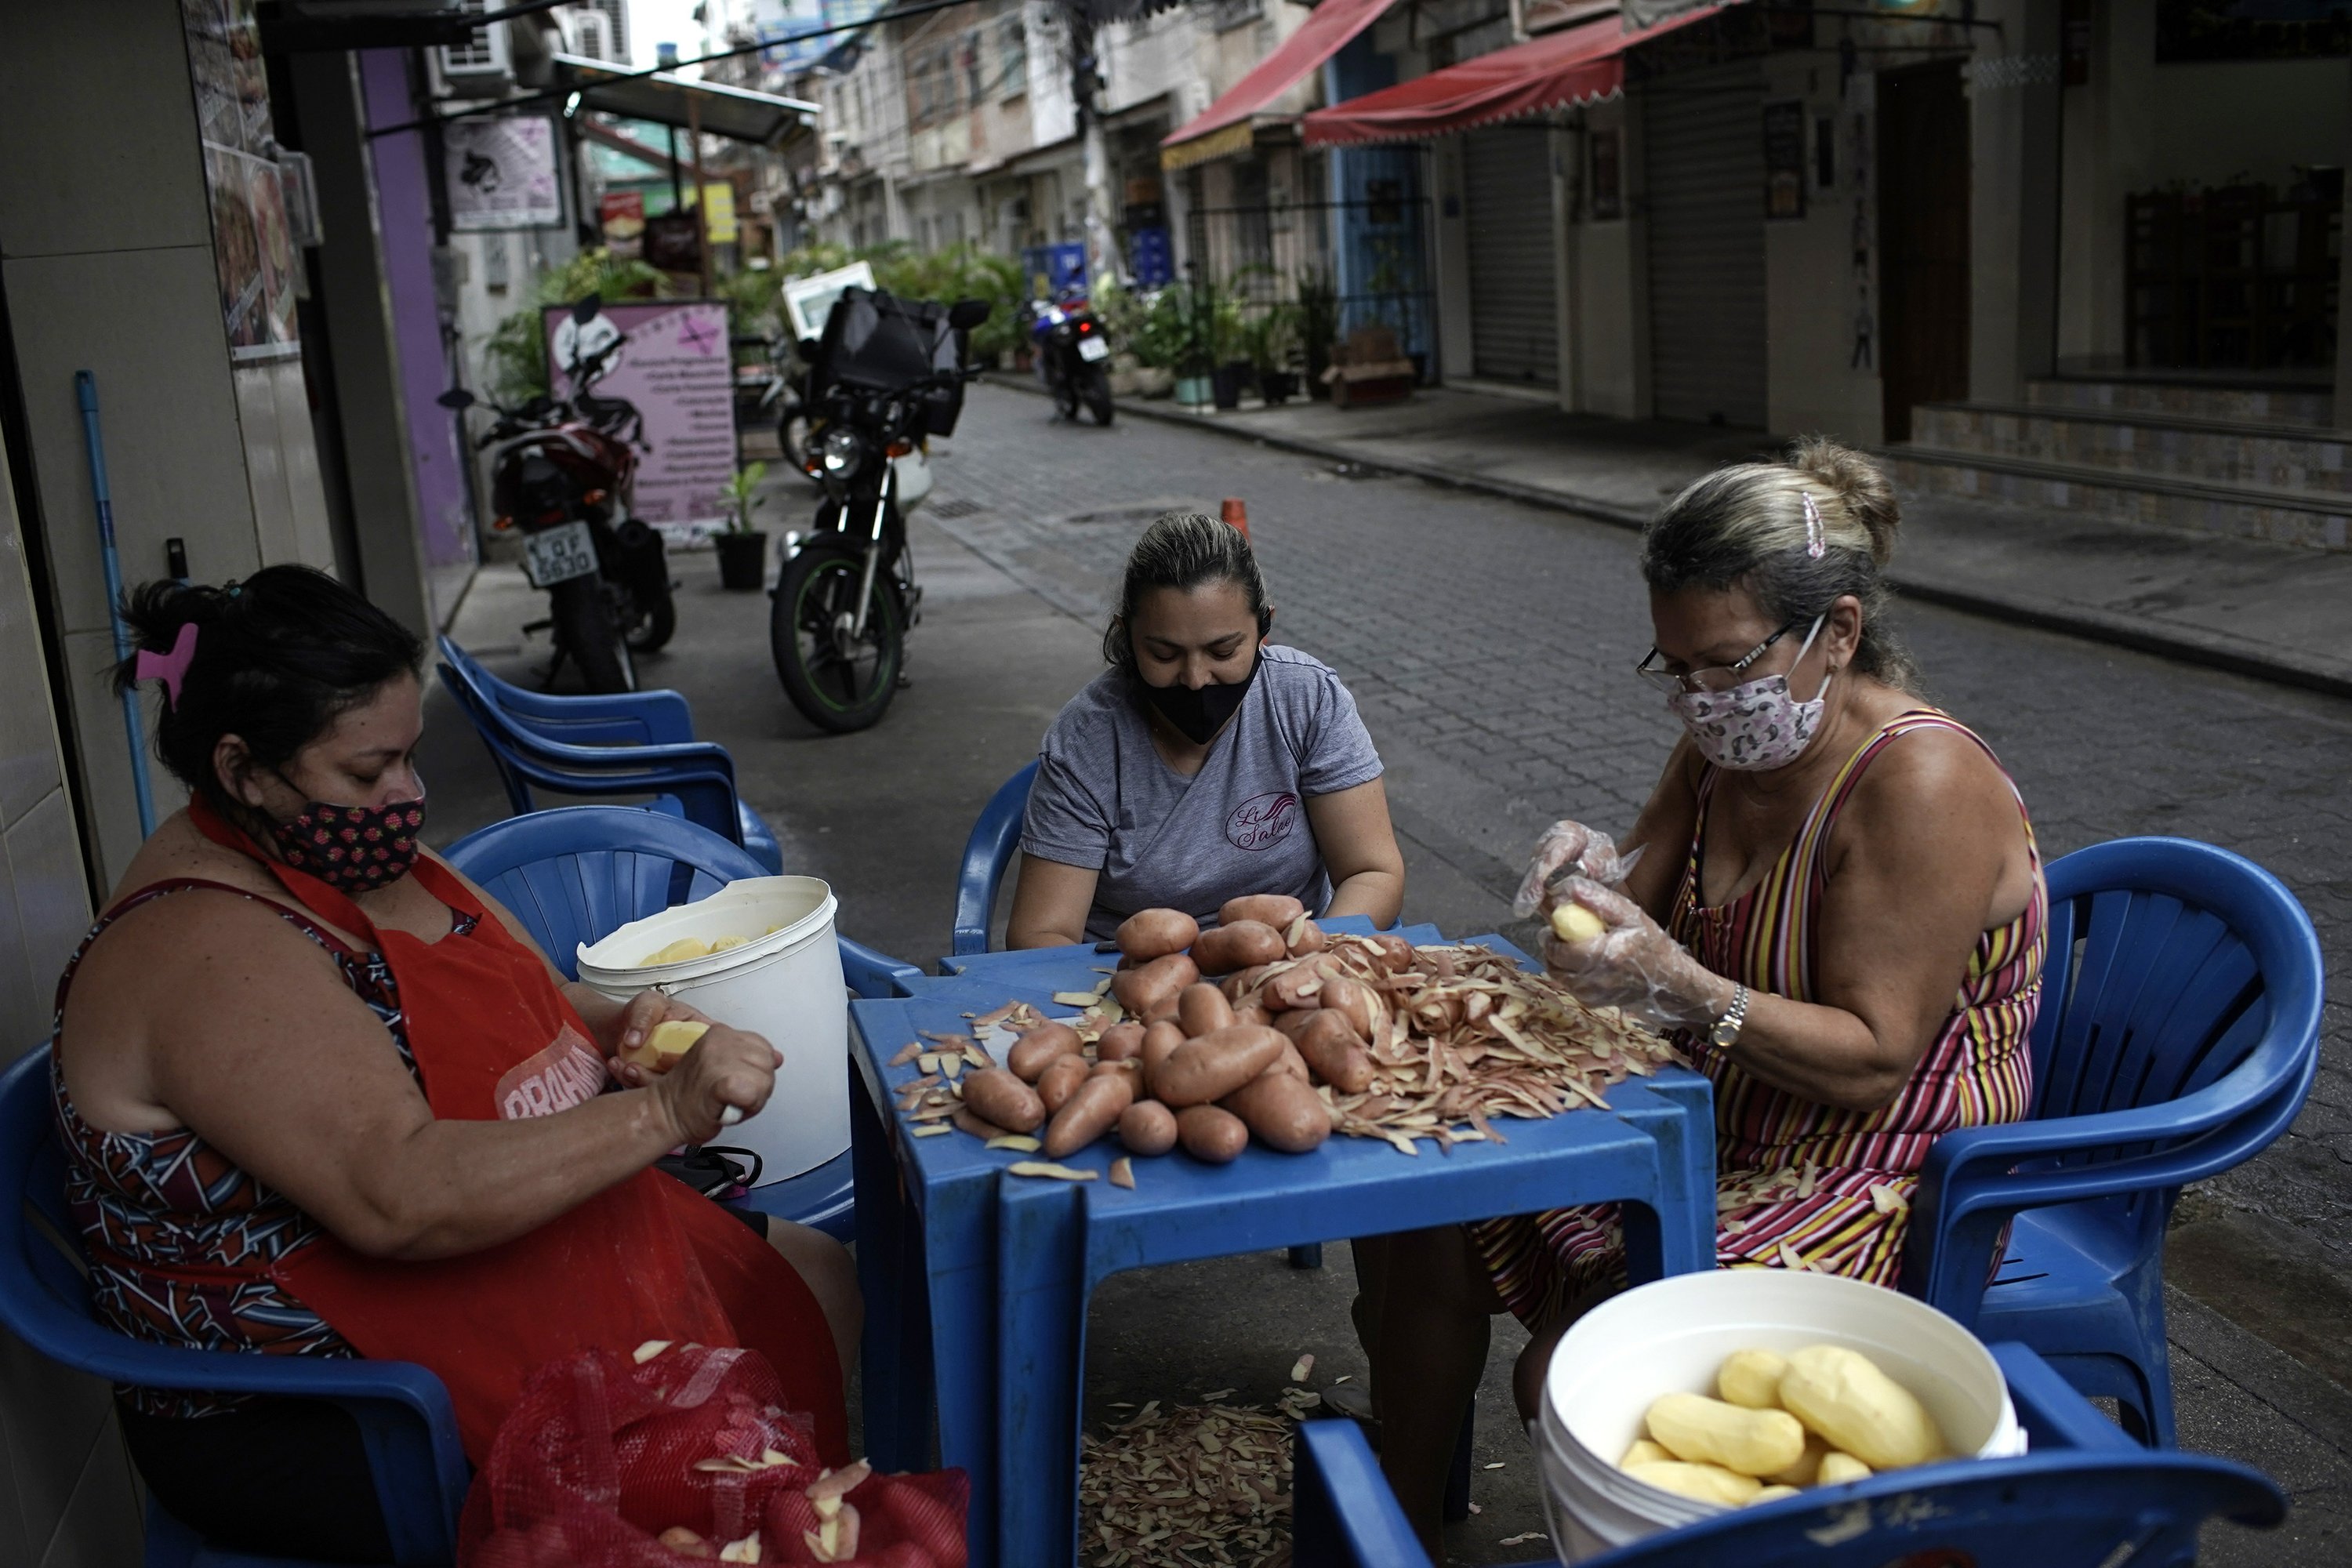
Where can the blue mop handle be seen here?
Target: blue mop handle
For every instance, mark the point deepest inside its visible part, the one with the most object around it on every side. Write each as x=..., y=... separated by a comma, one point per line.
x=86, y=394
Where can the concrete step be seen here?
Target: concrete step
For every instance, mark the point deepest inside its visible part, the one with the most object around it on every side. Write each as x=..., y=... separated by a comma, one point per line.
x=2241, y=512
x=2251, y=399
x=2216, y=451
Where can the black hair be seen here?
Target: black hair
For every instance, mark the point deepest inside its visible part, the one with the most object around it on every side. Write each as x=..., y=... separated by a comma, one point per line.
x=277, y=659
x=1745, y=526
x=1183, y=551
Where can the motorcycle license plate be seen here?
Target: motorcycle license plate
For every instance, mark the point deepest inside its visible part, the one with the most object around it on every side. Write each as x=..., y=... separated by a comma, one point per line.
x=559, y=555
x=1093, y=349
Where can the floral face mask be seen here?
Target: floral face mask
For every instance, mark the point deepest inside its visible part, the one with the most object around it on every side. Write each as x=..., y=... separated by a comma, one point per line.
x=353, y=848
x=1756, y=725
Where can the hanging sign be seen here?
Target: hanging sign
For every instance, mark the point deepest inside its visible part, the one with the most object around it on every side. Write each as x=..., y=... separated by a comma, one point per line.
x=621, y=215
x=655, y=374
x=501, y=173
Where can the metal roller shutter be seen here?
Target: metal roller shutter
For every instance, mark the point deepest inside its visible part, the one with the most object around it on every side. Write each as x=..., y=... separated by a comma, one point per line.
x=1703, y=156
x=1514, y=311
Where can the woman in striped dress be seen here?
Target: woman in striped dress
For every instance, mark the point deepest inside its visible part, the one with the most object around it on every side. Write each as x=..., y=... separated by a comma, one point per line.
x=1838, y=909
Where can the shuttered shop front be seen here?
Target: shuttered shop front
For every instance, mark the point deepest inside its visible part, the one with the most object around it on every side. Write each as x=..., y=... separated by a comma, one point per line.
x=1703, y=158
x=1514, y=314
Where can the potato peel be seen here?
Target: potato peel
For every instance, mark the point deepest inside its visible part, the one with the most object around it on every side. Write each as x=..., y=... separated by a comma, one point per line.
x=1048, y=1169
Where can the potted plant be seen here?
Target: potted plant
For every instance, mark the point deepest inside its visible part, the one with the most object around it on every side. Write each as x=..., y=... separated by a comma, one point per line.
x=1272, y=338
x=1229, y=352
x=1195, y=360
x=742, y=549
x=1318, y=325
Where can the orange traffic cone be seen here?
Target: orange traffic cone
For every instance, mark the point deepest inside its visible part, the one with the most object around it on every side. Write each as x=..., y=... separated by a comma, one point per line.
x=1237, y=514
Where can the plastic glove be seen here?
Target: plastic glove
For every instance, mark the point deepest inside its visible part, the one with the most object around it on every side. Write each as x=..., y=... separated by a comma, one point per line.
x=1566, y=849
x=1633, y=964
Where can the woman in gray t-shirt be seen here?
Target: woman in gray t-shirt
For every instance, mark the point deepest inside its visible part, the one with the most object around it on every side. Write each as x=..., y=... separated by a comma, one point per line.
x=1205, y=763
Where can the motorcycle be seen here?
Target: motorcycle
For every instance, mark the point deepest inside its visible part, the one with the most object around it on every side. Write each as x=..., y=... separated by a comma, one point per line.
x=565, y=483
x=783, y=397
x=1073, y=356
x=887, y=375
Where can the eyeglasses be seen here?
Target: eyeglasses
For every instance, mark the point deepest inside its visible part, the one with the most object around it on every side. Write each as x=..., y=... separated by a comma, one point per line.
x=1716, y=677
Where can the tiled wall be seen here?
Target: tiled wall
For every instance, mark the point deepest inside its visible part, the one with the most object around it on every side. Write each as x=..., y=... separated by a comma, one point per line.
x=67, y=1496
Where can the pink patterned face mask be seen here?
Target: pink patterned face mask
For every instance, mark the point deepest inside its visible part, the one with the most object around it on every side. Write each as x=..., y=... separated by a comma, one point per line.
x=1756, y=725
x=353, y=848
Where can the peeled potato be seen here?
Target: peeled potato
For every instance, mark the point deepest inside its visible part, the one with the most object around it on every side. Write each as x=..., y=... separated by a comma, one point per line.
x=1807, y=1467
x=727, y=942
x=1709, y=1431
x=1843, y=1396
x=1574, y=922
x=1752, y=1378
x=664, y=1044
x=684, y=948
x=1837, y=1468
x=1707, y=1483
x=1644, y=1451
x=1771, y=1494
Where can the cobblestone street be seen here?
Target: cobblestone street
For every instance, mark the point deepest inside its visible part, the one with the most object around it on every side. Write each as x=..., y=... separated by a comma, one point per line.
x=1489, y=646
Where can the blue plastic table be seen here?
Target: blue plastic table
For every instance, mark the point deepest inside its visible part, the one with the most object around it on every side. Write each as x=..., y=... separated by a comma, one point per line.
x=976, y=1284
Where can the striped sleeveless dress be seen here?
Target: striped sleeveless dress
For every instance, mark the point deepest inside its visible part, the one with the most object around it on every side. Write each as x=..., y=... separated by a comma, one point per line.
x=1799, y=1183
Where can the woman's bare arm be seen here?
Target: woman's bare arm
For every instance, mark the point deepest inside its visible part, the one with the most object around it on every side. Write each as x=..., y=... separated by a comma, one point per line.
x=1050, y=903
x=1358, y=843
x=1664, y=831
x=1928, y=854
x=253, y=1040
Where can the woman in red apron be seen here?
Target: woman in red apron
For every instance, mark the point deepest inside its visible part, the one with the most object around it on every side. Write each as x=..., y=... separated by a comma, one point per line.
x=321, y=1095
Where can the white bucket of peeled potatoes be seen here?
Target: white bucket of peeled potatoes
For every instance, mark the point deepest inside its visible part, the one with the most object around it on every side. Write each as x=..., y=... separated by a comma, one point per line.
x=1688, y=1396
x=758, y=955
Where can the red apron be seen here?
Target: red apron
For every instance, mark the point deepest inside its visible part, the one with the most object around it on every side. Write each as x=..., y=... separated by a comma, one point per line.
x=646, y=1259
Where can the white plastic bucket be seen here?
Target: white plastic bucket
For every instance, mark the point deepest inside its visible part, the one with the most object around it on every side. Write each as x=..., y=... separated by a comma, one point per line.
x=784, y=982
x=1672, y=1335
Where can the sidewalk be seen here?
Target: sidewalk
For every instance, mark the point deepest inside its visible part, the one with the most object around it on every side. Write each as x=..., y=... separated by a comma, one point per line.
x=2268, y=611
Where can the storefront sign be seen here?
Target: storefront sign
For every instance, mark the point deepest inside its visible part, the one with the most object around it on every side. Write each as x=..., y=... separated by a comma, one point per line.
x=655, y=374
x=621, y=215
x=253, y=252
x=501, y=173
x=718, y=212
x=1784, y=160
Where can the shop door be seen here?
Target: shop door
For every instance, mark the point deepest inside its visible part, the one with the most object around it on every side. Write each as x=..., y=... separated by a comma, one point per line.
x=1923, y=240
x=1513, y=267
x=1703, y=156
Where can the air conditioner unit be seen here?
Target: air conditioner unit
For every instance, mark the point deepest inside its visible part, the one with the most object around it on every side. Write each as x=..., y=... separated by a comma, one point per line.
x=480, y=67
x=589, y=35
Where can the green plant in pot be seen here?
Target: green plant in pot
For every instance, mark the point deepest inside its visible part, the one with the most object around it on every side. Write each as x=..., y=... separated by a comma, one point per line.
x=1318, y=325
x=1272, y=339
x=1196, y=307
x=742, y=549
x=1229, y=350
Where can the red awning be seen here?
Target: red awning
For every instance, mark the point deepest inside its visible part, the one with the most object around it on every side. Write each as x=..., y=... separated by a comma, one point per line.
x=1321, y=36
x=1577, y=65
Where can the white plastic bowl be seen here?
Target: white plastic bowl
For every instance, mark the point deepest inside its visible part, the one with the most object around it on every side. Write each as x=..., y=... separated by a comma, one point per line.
x=1672, y=1335
x=785, y=984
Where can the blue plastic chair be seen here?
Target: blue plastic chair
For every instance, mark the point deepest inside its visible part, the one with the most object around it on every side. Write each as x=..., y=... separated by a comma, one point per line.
x=987, y=855
x=579, y=873
x=2084, y=1493
x=404, y=1413
x=2179, y=1035
x=591, y=746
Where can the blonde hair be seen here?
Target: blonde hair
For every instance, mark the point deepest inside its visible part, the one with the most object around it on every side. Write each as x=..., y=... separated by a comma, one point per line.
x=1797, y=535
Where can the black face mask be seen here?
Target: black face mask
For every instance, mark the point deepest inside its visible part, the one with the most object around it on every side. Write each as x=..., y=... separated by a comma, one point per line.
x=1199, y=715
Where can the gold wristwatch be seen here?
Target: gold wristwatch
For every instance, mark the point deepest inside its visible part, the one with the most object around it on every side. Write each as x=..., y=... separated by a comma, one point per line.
x=1727, y=1029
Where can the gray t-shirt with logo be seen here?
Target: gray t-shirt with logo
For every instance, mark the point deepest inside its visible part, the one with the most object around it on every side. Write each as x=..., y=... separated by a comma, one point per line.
x=1106, y=799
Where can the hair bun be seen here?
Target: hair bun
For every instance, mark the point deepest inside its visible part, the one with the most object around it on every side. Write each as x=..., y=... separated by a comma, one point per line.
x=1860, y=485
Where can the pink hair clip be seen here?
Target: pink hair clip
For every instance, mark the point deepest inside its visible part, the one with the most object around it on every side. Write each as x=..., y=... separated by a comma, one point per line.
x=1815, y=543
x=172, y=668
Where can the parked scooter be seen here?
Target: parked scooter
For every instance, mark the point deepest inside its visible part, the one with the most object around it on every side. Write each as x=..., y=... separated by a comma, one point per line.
x=1073, y=355
x=566, y=485
x=887, y=375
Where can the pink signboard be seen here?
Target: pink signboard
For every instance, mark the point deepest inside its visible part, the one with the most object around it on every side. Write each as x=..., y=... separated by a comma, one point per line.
x=655, y=374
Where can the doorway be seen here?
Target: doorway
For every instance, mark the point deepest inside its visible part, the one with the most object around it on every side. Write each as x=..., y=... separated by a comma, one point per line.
x=1923, y=240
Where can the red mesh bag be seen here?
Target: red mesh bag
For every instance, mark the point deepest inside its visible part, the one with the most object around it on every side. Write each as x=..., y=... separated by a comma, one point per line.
x=601, y=1457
